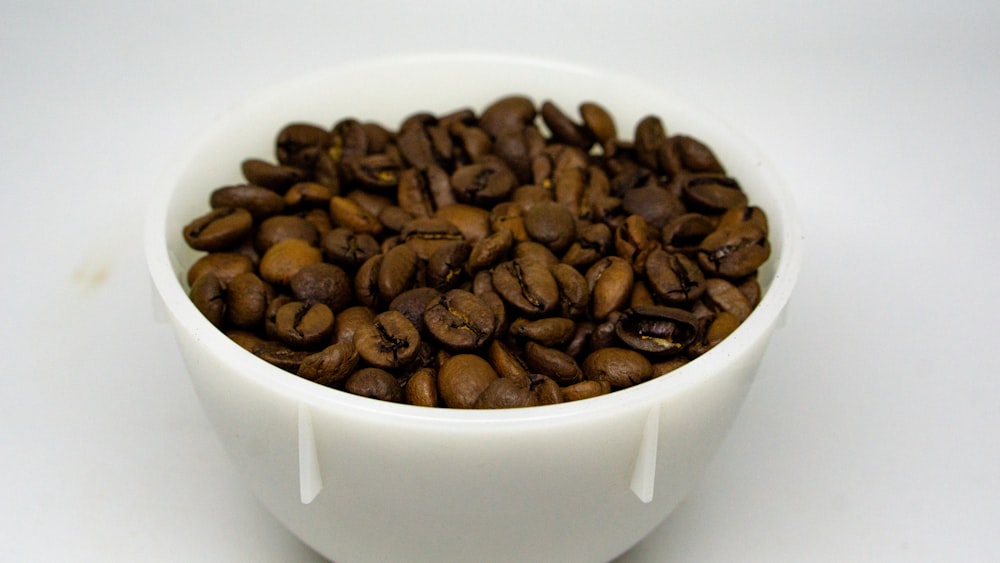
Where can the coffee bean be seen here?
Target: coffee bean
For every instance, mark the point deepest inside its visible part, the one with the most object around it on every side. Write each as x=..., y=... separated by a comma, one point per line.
x=374, y=383
x=724, y=296
x=574, y=293
x=527, y=285
x=459, y=320
x=447, y=264
x=548, y=392
x=225, y=265
x=507, y=114
x=585, y=390
x=347, y=322
x=462, y=379
x=617, y=366
x=674, y=278
x=413, y=303
x=219, y=230
x=424, y=236
x=551, y=331
x=551, y=224
x=421, y=388
x=283, y=260
x=390, y=341
x=650, y=135
x=348, y=214
x=208, y=296
x=259, y=202
x=330, y=366
x=299, y=144
x=247, y=298
x=322, y=283
x=348, y=249
x=565, y=129
x=610, y=281
x=283, y=227
x=398, y=272
x=598, y=121
x=303, y=325
x=552, y=363
x=657, y=330
x=713, y=193
x=490, y=250
x=504, y=393
x=271, y=176
x=507, y=364
x=308, y=195
x=487, y=182
x=735, y=251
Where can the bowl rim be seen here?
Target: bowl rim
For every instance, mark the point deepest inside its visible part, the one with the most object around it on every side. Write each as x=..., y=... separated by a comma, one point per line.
x=176, y=301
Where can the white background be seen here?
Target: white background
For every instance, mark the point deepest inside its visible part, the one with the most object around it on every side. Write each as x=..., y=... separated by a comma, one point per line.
x=870, y=435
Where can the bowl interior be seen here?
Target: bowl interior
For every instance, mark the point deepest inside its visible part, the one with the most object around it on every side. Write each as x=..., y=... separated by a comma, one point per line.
x=389, y=90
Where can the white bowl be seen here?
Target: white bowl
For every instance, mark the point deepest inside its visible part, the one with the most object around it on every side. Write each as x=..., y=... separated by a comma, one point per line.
x=364, y=480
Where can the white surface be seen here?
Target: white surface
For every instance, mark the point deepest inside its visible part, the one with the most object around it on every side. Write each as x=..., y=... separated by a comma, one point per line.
x=871, y=433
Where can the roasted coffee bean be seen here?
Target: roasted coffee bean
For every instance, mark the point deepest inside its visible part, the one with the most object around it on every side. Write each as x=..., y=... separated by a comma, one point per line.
x=495, y=260
x=459, y=320
x=574, y=293
x=225, y=266
x=283, y=227
x=247, y=297
x=425, y=236
x=260, y=202
x=421, y=388
x=347, y=322
x=551, y=224
x=462, y=379
x=619, y=367
x=735, y=251
x=552, y=363
x=504, y=393
x=724, y=296
x=271, y=176
x=487, y=182
x=657, y=330
x=551, y=331
x=527, y=285
x=610, y=281
x=283, y=260
x=674, y=278
x=390, y=341
x=346, y=248
x=219, y=230
x=374, y=383
x=585, y=390
x=208, y=296
x=398, y=272
x=507, y=364
x=330, y=366
x=303, y=325
x=447, y=264
x=413, y=303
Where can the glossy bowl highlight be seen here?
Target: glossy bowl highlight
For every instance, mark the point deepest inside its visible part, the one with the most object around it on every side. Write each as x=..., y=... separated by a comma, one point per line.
x=362, y=480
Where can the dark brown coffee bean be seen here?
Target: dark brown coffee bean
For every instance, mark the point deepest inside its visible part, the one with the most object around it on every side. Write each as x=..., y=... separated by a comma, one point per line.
x=527, y=285
x=548, y=391
x=685, y=232
x=564, y=129
x=574, y=293
x=390, y=341
x=330, y=366
x=280, y=355
x=504, y=393
x=751, y=290
x=394, y=218
x=507, y=114
x=225, y=266
x=283, y=260
x=585, y=390
x=509, y=216
x=304, y=325
x=398, y=272
x=421, y=388
x=610, y=281
x=487, y=182
x=424, y=144
x=580, y=340
x=742, y=214
x=722, y=326
x=349, y=214
x=462, y=379
x=674, y=278
x=424, y=236
x=550, y=331
x=682, y=152
x=667, y=366
x=322, y=283
x=260, y=202
x=414, y=195
x=654, y=204
x=413, y=303
x=219, y=230
x=507, y=364
x=375, y=171
x=271, y=176
x=283, y=227
x=348, y=249
x=473, y=222
x=734, y=252
x=298, y=144
x=632, y=238
x=598, y=121
x=657, y=330
x=446, y=266
x=555, y=364
x=247, y=297
x=724, y=296
x=208, y=296
x=307, y=195
x=551, y=224
x=459, y=320
x=517, y=149
x=713, y=193
x=620, y=367
x=641, y=294
x=591, y=244
x=366, y=282
x=650, y=135
x=531, y=251
x=374, y=383
x=346, y=322
x=490, y=250
x=529, y=195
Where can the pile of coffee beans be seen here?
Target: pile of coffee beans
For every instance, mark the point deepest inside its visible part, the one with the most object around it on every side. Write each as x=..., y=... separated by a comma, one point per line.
x=508, y=258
